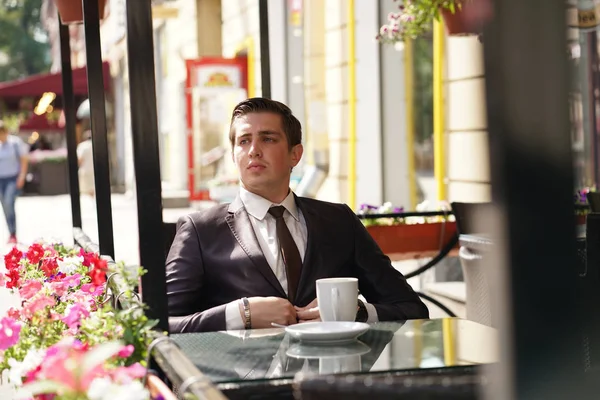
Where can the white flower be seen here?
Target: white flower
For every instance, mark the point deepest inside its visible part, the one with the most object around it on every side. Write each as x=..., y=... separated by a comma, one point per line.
x=105, y=389
x=69, y=265
x=8, y=391
x=94, y=321
x=98, y=388
x=32, y=360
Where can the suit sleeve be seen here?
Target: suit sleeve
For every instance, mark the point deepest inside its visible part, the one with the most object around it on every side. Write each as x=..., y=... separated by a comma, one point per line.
x=185, y=278
x=380, y=283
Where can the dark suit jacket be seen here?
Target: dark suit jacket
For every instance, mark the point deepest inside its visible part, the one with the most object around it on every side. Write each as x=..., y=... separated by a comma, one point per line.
x=216, y=258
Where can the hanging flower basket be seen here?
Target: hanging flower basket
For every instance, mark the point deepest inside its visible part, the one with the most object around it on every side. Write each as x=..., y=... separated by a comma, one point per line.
x=457, y=22
x=414, y=18
x=71, y=11
x=412, y=238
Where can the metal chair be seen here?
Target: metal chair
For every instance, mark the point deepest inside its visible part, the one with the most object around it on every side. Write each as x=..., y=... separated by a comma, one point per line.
x=467, y=215
x=472, y=256
x=593, y=199
x=588, y=271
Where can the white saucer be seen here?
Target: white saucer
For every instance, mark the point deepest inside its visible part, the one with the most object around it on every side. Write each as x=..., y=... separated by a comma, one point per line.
x=300, y=350
x=327, y=332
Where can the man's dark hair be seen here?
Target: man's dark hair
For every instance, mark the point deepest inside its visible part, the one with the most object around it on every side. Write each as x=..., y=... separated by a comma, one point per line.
x=291, y=126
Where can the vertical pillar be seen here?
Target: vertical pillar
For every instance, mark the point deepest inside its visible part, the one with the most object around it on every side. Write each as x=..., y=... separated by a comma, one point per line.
x=466, y=125
x=529, y=131
x=369, y=133
x=351, y=29
x=396, y=89
x=69, y=110
x=409, y=82
x=93, y=53
x=439, y=153
x=265, y=59
x=144, y=128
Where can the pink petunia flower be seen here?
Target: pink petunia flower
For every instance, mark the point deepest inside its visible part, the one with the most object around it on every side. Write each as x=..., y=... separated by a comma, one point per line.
x=36, y=304
x=59, y=288
x=92, y=289
x=13, y=313
x=62, y=364
x=123, y=375
x=9, y=332
x=29, y=289
x=80, y=297
x=72, y=280
x=126, y=351
x=75, y=314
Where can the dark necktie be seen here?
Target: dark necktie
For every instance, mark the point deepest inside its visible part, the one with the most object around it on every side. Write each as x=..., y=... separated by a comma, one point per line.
x=289, y=251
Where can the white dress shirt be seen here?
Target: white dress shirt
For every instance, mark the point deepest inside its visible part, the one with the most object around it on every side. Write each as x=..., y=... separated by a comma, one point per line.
x=264, y=226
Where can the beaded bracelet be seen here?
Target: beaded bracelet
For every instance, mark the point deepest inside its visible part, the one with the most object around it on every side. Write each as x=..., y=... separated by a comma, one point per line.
x=248, y=321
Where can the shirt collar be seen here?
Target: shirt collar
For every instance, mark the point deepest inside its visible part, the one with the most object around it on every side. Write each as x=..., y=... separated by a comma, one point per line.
x=258, y=206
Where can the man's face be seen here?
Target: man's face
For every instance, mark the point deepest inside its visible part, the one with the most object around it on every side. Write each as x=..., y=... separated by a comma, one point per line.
x=262, y=155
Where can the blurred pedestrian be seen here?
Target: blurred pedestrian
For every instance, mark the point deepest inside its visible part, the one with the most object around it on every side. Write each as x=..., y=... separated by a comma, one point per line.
x=13, y=170
x=85, y=159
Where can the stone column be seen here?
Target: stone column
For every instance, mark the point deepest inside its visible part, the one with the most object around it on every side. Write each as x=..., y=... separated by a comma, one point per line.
x=335, y=187
x=468, y=173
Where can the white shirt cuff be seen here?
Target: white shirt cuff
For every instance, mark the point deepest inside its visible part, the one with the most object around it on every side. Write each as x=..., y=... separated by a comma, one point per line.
x=371, y=312
x=233, y=319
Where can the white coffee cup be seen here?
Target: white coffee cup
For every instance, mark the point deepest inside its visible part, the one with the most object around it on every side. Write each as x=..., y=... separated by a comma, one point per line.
x=338, y=298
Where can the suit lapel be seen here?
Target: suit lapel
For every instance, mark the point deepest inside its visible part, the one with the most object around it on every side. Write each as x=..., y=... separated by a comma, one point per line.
x=309, y=265
x=241, y=227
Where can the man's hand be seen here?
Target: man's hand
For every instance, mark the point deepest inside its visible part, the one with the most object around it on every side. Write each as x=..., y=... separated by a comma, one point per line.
x=20, y=182
x=310, y=313
x=264, y=310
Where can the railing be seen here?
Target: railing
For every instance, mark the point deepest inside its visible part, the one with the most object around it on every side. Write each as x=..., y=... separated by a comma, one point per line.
x=407, y=214
x=181, y=372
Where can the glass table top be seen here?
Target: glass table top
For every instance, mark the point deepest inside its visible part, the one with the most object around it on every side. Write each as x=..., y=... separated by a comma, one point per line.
x=259, y=354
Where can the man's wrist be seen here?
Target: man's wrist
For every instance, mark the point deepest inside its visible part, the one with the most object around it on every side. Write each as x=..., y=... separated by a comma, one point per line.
x=245, y=312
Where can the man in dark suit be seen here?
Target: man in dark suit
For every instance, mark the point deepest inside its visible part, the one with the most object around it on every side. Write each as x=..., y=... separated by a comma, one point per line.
x=255, y=261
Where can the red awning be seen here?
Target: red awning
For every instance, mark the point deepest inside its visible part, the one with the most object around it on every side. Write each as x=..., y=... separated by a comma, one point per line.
x=36, y=85
x=39, y=123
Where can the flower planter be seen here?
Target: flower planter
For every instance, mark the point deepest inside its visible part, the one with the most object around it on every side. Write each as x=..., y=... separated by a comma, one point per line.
x=412, y=238
x=457, y=23
x=61, y=293
x=71, y=11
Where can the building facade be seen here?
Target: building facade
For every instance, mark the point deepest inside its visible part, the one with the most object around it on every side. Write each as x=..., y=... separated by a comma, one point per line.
x=349, y=91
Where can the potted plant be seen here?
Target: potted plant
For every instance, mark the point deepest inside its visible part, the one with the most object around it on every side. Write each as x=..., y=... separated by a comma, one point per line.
x=63, y=340
x=581, y=204
x=71, y=11
x=407, y=237
x=415, y=18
